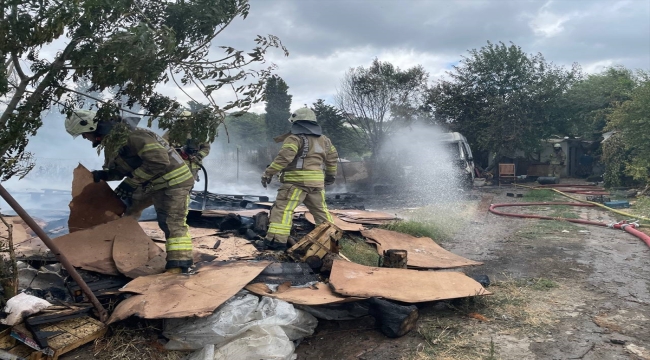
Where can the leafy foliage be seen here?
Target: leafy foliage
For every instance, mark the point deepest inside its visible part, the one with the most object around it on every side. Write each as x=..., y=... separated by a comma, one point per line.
x=278, y=107
x=129, y=46
x=334, y=126
x=502, y=99
x=628, y=151
x=590, y=101
x=377, y=99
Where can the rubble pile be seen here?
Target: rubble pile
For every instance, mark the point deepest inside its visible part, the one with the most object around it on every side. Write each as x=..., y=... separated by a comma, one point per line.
x=239, y=302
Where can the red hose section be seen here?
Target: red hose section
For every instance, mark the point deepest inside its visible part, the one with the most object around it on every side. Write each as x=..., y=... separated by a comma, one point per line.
x=621, y=225
x=630, y=229
x=532, y=216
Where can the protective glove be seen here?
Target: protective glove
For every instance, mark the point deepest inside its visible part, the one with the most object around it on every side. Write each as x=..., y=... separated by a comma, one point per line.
x=100, y=175
x=125, y=189
x=266, y=180
x=329, y=179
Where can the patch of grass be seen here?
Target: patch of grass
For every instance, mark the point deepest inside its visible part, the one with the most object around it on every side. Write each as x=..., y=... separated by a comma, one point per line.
x=451, y=332
x=357, y=250
x=563, y=211
x=642, y=206
x=543, y=284
x=545, y=227
x=540, y=195
x=417, y=229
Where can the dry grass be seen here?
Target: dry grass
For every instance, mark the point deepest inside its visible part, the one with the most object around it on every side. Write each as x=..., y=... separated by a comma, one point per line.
x=451, y=331
x=357, y=250
x=133, y=341
x=437, y=221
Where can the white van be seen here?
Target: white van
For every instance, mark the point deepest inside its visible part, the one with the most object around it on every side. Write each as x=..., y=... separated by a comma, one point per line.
x=460, y=150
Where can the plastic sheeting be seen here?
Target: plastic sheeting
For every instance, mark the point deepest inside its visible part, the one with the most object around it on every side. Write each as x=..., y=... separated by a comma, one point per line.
x=21, y=306
x=243, y=328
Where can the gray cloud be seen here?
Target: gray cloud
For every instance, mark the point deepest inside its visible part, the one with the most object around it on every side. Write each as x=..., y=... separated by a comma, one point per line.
x=327, y=37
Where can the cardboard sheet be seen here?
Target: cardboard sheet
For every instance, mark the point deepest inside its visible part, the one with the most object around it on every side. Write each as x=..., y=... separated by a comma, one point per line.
x=168, y=296
x=92, y=203
x=231, y=248
x=92, y=249
x=421, y=252
x=343, y=225
x=410, y=286
x=18, y=229
x=317, y=294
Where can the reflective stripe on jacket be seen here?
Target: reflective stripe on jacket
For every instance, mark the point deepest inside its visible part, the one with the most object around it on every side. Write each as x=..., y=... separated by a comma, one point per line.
x=305, y=160
x=149, y=161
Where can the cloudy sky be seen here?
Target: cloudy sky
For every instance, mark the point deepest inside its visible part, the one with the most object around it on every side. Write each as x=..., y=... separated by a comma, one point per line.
x=327, y=37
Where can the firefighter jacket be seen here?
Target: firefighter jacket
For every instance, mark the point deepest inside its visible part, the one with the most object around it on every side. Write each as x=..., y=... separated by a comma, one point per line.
x=557, y=157
x=148, y=161
x=303, y=158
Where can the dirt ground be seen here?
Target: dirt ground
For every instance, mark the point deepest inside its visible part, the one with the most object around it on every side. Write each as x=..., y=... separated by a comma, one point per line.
x=561, y=291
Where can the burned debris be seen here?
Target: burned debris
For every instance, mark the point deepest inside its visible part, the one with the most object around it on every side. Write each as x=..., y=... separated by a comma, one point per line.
x=119, y=264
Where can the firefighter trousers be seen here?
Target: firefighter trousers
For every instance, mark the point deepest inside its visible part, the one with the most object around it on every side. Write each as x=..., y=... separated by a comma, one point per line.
x=288, y=199
x=555, y=170
x=171, y=205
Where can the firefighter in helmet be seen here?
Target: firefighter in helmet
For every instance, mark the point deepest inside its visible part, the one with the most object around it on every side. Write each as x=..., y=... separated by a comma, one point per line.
x=557, y=161
x=306, y=163
x=146, y=164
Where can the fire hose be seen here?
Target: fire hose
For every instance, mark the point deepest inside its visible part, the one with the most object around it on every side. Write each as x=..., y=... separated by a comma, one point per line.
x=642, y=219
x=205, y=187
x=630, y=226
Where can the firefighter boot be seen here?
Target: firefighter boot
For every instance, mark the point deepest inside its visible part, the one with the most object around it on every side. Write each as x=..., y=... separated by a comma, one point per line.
x=272, y=245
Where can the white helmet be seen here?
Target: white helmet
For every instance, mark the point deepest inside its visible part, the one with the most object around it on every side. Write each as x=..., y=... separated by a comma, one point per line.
x=557, y=146
x=81, y=121
x=303, y=114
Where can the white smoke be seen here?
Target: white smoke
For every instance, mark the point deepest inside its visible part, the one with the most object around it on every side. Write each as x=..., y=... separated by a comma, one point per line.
x=424, y=167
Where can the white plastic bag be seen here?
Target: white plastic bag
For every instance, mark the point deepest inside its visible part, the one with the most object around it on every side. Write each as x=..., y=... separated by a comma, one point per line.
x=23, y=305
x=242, y=328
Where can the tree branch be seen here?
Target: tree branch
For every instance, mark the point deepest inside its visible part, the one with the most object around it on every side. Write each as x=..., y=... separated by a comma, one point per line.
x=19, y=70
x=100, y=100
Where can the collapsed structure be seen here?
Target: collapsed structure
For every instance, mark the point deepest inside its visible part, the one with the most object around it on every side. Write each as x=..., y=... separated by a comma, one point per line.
x=122, y=263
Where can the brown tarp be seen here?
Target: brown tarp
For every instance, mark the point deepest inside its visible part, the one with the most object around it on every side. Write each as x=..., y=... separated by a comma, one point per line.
x=343, y=225
x=410, y=286
x=92, y=203
x=92, y=249
x=168, y=296
x=317, y=294
x=421, y=252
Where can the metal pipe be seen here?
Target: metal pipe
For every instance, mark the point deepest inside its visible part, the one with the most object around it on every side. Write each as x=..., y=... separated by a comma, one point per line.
x=103, y=315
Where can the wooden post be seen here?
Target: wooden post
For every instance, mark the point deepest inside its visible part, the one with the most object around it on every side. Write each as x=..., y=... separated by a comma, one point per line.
x=394, y=258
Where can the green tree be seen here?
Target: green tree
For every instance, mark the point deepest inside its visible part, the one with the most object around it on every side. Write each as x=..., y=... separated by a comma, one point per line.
x=630, y=151
x=377, y=99
x=334, y=126
x=590, y=101
x=278, y=107
x=133, y=46
x=247, y=130
x=502, y=99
